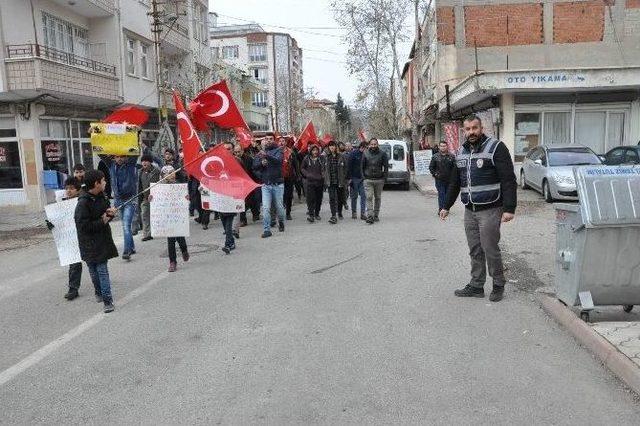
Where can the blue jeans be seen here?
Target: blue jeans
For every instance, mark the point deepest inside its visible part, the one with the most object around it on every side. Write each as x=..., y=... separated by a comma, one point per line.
x=100, y=278
x=269, y=193
x=442, y=193
x=357, y=189
x=127, y=213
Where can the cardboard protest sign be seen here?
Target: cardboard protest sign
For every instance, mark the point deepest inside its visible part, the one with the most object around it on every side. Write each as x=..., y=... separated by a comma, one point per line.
x=169, y=210
x=114, y=139
x=65, y=235
x=220, y=203
x=421, y=161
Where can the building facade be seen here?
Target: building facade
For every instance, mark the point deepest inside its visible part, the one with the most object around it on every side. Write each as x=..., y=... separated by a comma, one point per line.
x=546, y=72
x=72, y=62
x=323, y=115
x=274, y=60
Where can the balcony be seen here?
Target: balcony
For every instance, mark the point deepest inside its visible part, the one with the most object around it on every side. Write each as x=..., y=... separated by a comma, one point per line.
x=175, y=36
x=33, y=69
x=90, y=8
x=256, y=117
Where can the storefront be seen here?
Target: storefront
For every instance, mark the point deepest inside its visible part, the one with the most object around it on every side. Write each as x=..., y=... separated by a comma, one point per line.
x=11, y=176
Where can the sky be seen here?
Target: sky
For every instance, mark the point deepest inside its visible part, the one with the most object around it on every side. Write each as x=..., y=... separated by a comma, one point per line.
x=311, y=23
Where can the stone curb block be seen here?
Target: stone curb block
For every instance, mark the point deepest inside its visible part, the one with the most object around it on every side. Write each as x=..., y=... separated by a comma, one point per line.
x=610, y=356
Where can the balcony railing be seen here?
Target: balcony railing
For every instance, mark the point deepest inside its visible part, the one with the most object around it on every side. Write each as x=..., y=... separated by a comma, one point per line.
x=18, y=51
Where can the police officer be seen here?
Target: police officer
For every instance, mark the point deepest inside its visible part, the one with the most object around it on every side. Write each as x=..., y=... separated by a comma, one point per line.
x=485, y=179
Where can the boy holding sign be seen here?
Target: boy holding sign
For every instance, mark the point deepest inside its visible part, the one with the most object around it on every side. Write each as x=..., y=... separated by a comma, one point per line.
x=93, y=214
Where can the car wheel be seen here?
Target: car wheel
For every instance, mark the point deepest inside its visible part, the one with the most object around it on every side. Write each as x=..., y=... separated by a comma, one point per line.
x=523, y=182
x=546, y=192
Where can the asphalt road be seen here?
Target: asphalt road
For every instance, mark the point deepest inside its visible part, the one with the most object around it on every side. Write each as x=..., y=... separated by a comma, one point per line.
x=322, y=324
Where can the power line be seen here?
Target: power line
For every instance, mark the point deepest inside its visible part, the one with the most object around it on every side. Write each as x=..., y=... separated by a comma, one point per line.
x=280, y=26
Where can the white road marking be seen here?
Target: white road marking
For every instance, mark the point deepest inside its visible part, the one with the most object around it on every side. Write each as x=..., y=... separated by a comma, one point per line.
x=37, y=356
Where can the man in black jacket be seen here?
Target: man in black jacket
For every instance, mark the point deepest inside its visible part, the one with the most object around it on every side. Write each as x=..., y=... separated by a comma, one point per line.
x=485, y=179
x=335, y=178
x=93, y=214
x=441, y=168
x=375, y=167
x=313, y=172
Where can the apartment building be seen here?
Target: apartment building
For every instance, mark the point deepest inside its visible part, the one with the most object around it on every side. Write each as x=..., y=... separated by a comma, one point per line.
x=70, y=62
x=323, y=115
x=274, y=60
x=538, y=72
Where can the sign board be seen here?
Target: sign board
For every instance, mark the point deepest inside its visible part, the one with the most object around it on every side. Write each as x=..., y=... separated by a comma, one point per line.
x=220, y=203
x=169, y=210
x=114, y=139
x=421, y=161
x=65, y=235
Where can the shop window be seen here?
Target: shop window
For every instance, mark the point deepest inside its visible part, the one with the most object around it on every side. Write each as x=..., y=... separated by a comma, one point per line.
x=615, y=130
x=527, y=134
x=590, y=129
x=557, y=128
x=55, y=156
x=10, y=170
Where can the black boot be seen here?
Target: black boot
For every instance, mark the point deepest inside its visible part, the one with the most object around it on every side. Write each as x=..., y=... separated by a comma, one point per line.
x=469, y=291
x=497, y=293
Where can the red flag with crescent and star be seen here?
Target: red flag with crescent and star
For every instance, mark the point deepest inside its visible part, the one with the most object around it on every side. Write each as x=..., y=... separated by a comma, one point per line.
x=217, y=169
x=216, y=105
x=244, y=137
x=128, y=115
x=307, y=136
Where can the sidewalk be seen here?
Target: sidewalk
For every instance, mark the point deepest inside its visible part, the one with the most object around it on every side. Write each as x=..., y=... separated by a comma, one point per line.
x=425, y=184
x=10, y=221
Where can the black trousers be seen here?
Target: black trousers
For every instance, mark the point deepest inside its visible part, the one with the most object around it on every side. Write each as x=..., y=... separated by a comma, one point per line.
x=205, y=216
x=342, y=196
x=75, y=275
x=314, y=198
x=335, y=200
x=171, y=245
x=299, y=188
x=227, y=225
x=288, y=194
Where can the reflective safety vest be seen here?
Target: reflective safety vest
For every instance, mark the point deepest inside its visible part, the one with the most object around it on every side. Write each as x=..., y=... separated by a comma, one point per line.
x=479, y=181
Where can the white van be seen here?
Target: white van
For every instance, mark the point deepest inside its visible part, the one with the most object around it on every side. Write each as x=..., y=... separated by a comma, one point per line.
x=398, y=162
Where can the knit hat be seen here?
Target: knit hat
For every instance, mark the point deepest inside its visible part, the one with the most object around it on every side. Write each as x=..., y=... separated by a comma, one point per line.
x=167, y=170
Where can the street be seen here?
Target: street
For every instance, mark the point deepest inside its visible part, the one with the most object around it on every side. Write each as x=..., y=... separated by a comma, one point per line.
x=322, y=324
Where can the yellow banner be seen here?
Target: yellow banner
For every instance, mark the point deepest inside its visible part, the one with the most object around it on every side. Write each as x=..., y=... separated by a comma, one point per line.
x=114, y=139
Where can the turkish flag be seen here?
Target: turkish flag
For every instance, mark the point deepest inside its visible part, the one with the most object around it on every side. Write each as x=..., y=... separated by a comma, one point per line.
x=128, y=115
x=191, y=144
x=244, y=137
x=307, y=136
x=216, y=105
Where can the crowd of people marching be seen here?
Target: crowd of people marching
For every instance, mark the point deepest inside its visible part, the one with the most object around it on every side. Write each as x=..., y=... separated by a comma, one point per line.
x=352, y=177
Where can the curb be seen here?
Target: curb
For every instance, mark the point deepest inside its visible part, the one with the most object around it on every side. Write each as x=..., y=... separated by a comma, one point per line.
x=611, y=357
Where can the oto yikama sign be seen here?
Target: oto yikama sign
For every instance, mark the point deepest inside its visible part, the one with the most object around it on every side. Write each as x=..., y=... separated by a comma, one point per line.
x=169, y=210
x=220, y=203
x=421, y=161
x=65, y=235
x=114, y=139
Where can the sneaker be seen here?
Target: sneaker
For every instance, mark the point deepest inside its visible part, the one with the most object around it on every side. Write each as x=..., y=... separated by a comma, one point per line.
x=172, y=266
x=98, y=298
x=370, y=220
x=266, y=234
x=310, y=219
x=149, y=238
x=354, y=215
x=197, y=220
x=71, y=294
x=126, y=255
x=185, y=256
x=318, y=218
x=232, y=247
x=333, y=220
x=496, y=294
x=255, y=217
x=289, y=216
x=243, y=223
x=281, y=227
x=340, y=216
x=205, y=227
x=469, y=291
x=273, y=223
x=226, y=250
x=376, y=219
x=363, y=216
x=236, y=234
x=108, y=307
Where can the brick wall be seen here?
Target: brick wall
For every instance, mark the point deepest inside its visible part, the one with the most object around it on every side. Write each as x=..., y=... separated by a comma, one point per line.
x=633, y=4
x=503, y=25
x=576, y=22
x=446, y=25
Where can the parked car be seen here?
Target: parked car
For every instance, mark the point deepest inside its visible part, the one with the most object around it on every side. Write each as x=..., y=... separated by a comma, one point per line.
x=549, y=170
x=398, y=162
x=623, y=155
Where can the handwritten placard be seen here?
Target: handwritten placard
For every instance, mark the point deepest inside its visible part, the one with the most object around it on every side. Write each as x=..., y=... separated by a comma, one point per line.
x=169, y=210
x=65, y=235
x=220, y=203
x=421, y=161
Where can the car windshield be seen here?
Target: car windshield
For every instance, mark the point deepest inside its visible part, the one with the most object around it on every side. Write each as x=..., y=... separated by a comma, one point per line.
x=386, y=148
x=572, y=157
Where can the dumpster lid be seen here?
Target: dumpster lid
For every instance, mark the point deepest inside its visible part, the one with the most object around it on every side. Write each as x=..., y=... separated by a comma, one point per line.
x=609, y=196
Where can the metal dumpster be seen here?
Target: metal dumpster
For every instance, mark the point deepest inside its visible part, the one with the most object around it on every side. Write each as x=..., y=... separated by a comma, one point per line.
x=598, y=240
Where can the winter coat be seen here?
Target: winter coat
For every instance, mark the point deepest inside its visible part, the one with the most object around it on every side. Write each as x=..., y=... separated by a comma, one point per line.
x=94, y=236
x=354, y=164
x=124, y=178
x=375, y=165
x=341, y=172
x=441, y=166
x=146, y=179
x=313, y=170
x=271, y=173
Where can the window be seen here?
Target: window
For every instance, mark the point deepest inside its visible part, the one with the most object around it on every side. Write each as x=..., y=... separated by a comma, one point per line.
x=615, y=157
x=144, y=60
x=55, y=145
x=131, y=56
x=260, y=74
x=527, y=133
x=230, y=52
x=257, y=53
x=590, y=129
x=398, y=153
x=259, y=99
x=215, y=52
x=557, y=128
x=199, y=22
x=10, y=170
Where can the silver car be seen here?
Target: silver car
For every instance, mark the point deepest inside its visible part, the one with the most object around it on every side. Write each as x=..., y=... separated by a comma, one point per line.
x=549, y=170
